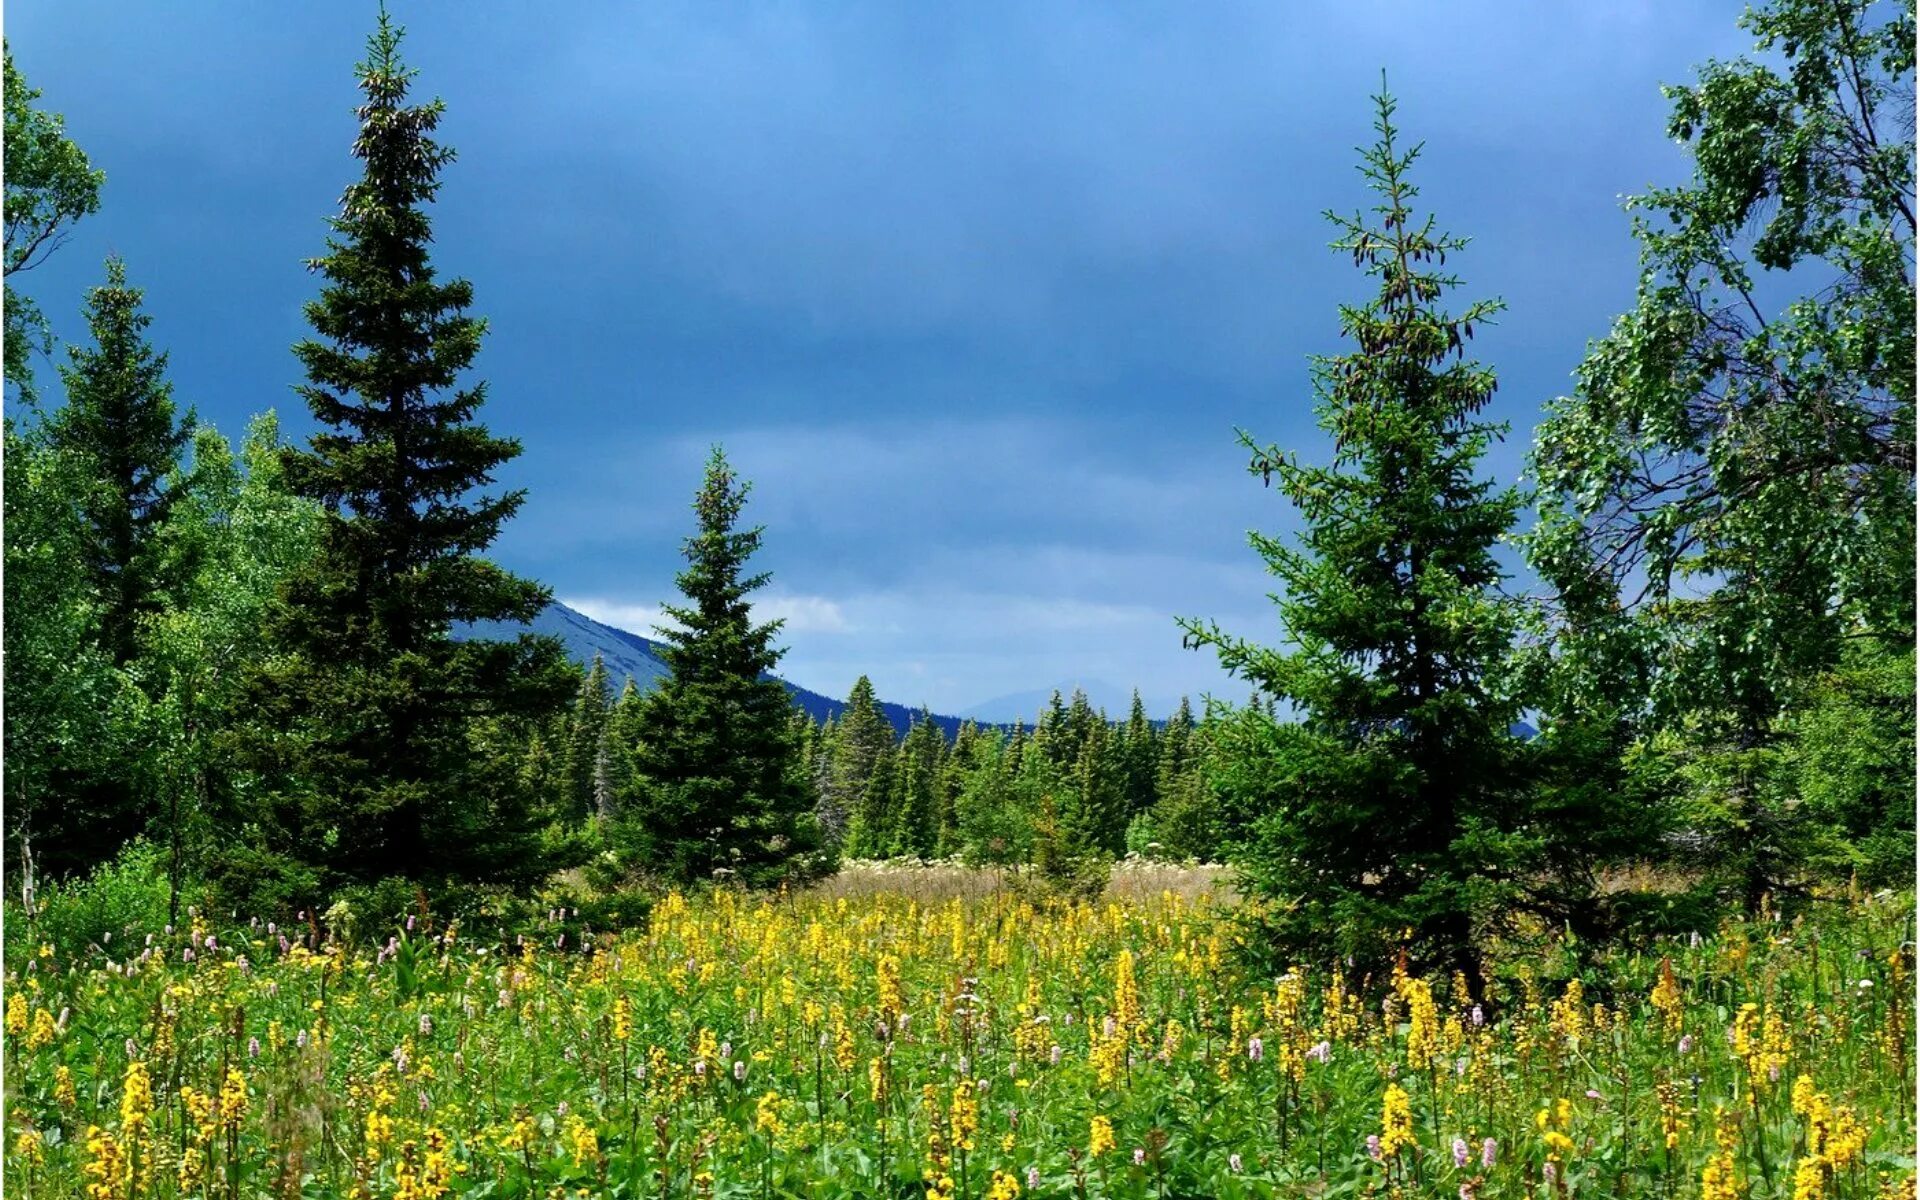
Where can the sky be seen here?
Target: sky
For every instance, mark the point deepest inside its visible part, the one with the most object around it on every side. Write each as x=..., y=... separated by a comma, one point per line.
x=976, y=294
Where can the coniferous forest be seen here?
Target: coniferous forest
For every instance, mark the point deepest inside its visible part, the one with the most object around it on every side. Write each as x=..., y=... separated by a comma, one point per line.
x=1599, y=777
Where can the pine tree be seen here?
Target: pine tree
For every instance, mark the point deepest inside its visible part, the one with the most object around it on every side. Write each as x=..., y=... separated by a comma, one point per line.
x=719, y=786
x=1050, y=733
x=1095, y=812
x=862, y=735
x=121, y=431
x=1140, y=758
x=878, y=816
x=1388, y=807
x=1172, y=761
x=624, y=724
x=917, y=834
x=587, y=765
x=369, y=711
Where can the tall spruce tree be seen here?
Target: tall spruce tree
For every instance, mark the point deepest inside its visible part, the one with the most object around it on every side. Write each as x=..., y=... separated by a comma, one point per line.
x=719, y=784
x=121, y=432
x=862, y=736
x=1386, y=807
x=587, y=766
x=369, y=708
x=1140, y=758
x=917, y=835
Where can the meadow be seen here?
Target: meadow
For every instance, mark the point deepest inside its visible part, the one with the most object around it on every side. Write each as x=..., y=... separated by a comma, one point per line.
x=865, y=1041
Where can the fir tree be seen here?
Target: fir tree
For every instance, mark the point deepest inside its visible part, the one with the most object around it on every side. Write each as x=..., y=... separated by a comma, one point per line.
x=1387, y=808
x=368, y=713
x=120, y=430
x=719, y=785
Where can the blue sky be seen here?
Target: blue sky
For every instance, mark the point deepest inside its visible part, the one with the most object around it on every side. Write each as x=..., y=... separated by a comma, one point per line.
x=976, y=294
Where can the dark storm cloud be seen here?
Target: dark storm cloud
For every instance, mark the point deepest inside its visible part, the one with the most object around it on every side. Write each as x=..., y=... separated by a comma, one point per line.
x=977, y=293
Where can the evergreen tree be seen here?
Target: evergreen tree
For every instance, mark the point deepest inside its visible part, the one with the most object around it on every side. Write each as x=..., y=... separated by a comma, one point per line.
x=994, y=826
x=1140, y=758
x=624, y=725
x=827, y=810
x=1050, y=733
x=870, y=830
x=719, y=786
x=1095, y=813
x=368, y=712
x=1172, y=762
x=917, y=833
x=120, y=430
x=1387, y=807
x=961, y=760
x=861, y=737
x=587, y=765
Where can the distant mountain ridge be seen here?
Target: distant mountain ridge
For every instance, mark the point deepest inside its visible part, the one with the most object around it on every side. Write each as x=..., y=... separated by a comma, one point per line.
x=630, y=656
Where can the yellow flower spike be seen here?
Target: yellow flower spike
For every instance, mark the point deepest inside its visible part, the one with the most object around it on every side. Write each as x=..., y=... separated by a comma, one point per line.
x=1099, y=1137
x=1396, y=1120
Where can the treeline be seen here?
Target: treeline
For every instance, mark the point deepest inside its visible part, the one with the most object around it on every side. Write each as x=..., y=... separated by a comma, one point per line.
x=1073, y=789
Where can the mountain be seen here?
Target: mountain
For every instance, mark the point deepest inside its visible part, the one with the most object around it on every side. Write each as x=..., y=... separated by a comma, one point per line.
x=630, y=656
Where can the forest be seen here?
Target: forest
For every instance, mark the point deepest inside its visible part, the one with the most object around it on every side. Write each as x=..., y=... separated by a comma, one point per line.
x=242, y=717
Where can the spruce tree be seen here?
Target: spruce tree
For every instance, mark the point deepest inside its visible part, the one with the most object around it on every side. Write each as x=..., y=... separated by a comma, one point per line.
x=1173, y=749
x=1140, y=758
x=918, y=833
x=369, y=710
x=719, y=788
x=1388, y=807
x=587, y=767
x=862, y=735
x=870, y=834
x=121, y=432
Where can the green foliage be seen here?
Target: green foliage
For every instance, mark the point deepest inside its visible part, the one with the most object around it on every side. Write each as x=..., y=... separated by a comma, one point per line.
x=1730, y=489
x=72, y=716
x=121, y=900
x=1394, y=802
x=861, y=738
x=119, y=428
x=1850, y=760
x=588, y=779
x=49, y=185
x=371, y=719
x=720, y=789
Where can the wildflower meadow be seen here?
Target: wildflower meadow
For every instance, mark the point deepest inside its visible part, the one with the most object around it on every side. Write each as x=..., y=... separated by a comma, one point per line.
x=982, y=1047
